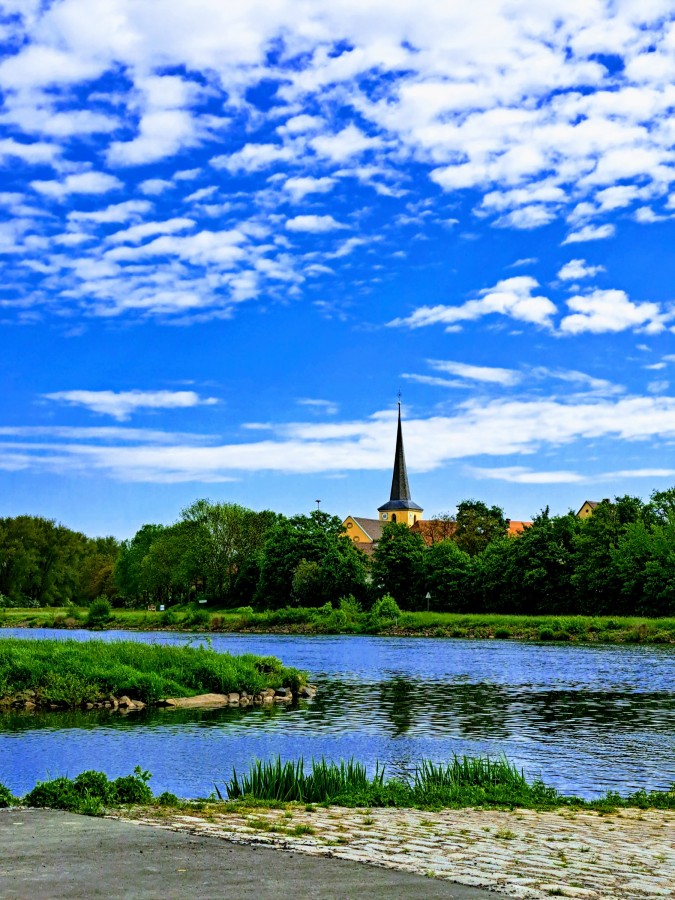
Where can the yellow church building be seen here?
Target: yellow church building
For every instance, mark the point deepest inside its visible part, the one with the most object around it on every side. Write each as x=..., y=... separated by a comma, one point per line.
x=365, y=533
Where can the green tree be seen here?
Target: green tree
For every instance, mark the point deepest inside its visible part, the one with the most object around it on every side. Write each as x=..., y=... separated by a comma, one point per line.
x=448, y=576
x=531, y=573
x=399, y=565
x=317, y=539
x=596, y=578
x=477, y=525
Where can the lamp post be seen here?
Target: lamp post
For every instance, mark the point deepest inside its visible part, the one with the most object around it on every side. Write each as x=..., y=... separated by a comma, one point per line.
x=428, y=598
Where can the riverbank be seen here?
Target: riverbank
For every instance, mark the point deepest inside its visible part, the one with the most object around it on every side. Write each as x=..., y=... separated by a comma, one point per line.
x=127, y=675
x=522, y=853
x=570, y=629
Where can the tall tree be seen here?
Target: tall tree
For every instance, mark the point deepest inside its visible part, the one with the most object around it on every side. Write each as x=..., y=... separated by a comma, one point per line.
x=398, y=565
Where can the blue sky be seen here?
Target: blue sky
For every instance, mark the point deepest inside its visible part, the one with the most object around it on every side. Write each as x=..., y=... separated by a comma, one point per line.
x=229, y=233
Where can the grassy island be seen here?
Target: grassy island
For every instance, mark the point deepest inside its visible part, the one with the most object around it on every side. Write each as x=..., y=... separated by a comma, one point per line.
x=76, y=673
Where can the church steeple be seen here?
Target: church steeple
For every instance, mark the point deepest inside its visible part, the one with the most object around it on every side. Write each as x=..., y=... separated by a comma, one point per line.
x=400, y=507
x=400, y=489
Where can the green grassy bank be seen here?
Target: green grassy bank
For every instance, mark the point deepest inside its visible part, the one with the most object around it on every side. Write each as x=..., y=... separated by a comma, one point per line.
x=463, y=782
x=73, y=673
x=294, y=620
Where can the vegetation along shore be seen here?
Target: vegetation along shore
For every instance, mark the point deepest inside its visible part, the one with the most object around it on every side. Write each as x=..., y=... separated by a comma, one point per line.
x=384, y=618
x=126, y=674
x=463, y=782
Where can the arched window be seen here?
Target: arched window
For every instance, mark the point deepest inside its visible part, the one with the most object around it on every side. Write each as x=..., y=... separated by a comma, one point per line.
x=393, y=517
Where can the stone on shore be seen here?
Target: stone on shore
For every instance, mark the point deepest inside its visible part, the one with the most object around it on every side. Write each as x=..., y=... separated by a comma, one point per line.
x=198, y=701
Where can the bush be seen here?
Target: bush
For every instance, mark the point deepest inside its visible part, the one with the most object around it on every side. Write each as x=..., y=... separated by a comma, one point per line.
x=197, y=618
x=166, y=798
x=90, y=792
x=100, y=613
x=386, y=609
x=7, y=799
x=133, y=788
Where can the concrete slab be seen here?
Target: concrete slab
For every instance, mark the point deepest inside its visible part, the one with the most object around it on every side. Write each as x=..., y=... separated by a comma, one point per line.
x=52, y=854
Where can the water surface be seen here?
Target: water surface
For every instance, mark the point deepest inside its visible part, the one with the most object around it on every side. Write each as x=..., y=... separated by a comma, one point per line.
x=584, y=718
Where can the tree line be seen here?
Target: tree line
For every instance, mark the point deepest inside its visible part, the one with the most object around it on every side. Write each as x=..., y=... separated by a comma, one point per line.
x=619, y=561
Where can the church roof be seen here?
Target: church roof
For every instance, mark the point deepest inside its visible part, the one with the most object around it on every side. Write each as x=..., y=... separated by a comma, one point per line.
x=400, y=489
x=372, y=527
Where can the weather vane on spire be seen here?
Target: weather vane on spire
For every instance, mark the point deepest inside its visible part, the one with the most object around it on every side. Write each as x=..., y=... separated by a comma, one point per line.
x=399, y=396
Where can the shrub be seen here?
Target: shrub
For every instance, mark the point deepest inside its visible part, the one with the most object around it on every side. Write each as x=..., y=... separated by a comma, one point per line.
x=166, y=798
x=59, y=793
x=197, y=618
x=133, y=788
x=7, y=799
x=100, y=612
x=90, y=792
x=386, y=609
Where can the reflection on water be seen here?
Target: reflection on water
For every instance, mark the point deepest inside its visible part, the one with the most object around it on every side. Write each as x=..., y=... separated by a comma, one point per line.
x=584, y=718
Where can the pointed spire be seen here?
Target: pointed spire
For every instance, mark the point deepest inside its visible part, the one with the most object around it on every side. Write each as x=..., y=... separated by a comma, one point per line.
x=400, y=489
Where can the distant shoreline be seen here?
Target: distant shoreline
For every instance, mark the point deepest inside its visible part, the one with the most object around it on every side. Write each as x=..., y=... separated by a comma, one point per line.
x=305, y=621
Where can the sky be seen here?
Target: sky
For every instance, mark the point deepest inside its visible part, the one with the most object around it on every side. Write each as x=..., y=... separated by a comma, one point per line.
x=231, y=233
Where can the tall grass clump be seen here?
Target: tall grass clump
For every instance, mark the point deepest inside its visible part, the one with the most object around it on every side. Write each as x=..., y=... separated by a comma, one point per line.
x=286, y=782
x=69, y=673
x=464, y=781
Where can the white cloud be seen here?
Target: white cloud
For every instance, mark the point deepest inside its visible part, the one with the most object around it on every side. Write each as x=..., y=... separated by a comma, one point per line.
x=489, y=374
x=498, y=428
x=148, y=229
x=299, y=187
x=117, y=213
x=325, y=406
x=590, y=233
x=122, y=404
x=611, y=311
x=253, y=157
x=351, y=141
x=315, y=224
x=511, y=297
x=35, y=153
x=155, y=186
x=523, y=475
x=576, y=269
x=84, y=183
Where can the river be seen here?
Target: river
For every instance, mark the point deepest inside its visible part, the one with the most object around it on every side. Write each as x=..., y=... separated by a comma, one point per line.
x=585, y=719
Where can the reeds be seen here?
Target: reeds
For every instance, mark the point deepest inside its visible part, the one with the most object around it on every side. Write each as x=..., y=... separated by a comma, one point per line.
x=286, y=782
x=463, y=781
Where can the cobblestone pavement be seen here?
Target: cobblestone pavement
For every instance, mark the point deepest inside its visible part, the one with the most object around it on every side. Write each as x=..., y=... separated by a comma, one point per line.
x=627, y=855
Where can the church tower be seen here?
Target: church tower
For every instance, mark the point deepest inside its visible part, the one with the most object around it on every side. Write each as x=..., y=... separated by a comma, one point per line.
x=400, y=507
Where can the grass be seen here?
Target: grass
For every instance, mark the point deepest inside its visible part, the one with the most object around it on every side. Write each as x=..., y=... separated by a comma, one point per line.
x=463, y=782
x=573, y=629
x=478, y=782
x=71, y=673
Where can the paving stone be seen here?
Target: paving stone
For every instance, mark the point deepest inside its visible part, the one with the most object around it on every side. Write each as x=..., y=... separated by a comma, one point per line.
x=629, y=855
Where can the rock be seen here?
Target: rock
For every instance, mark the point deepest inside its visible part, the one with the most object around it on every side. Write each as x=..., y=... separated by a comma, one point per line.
x=307, y=690
x=233, y=698
x=268, y=692
x=194, y=702
x=88, y=705
x=283, y=692
x=244, y=701
x=29, y=705
x=267, y=699
x=125, y=702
